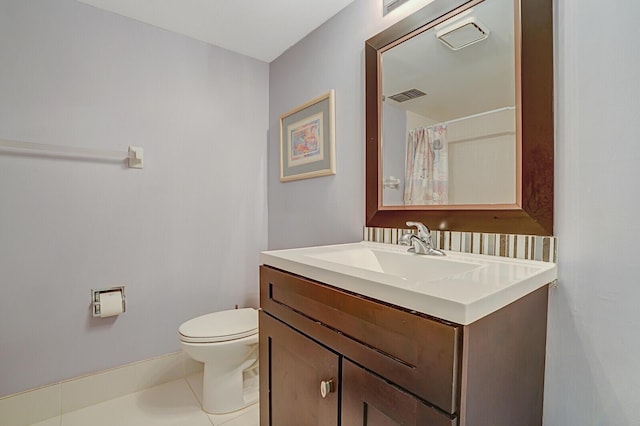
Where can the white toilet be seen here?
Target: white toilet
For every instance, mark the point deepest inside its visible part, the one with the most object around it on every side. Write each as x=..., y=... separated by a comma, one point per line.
x=227, y=343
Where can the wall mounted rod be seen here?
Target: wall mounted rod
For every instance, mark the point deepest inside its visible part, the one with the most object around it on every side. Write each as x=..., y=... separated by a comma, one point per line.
x=480, y=114
x=67, y=150
x=133, y=155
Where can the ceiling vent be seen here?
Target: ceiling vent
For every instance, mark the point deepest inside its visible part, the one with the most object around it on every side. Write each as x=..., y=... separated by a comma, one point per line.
x=463, y=33
x=407, y=95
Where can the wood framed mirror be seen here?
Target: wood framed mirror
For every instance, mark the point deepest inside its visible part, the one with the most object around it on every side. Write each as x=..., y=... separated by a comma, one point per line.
x=529, y=210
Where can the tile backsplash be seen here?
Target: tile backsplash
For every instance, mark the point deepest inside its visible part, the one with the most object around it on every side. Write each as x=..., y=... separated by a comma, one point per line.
x=532, y=247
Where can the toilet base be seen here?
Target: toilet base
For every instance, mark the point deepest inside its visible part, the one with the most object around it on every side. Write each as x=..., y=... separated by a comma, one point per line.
x=224, y=393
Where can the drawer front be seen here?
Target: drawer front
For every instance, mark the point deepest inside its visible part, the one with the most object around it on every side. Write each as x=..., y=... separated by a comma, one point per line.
x=417, y=353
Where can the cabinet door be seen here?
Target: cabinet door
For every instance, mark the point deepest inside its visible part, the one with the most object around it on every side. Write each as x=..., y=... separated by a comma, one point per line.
x=417, y=353
x=369, y=400
x=293, y=368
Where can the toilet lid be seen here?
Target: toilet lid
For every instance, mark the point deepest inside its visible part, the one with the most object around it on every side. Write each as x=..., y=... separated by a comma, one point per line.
x=220, y=326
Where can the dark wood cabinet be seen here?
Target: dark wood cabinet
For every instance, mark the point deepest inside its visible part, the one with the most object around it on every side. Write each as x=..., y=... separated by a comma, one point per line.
x=297, y=367
x=386, y=365
x=369, y=400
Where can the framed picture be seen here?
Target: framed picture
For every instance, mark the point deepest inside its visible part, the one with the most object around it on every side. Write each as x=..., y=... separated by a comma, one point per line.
x=307, y=146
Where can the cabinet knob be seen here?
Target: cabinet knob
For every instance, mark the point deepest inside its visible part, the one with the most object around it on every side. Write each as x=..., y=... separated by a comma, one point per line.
x=326, y=387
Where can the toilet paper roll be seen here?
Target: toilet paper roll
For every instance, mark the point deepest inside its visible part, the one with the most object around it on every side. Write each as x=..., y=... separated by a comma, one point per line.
x=110, y=303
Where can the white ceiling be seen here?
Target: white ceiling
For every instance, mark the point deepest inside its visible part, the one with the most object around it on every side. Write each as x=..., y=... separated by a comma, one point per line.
x=257, y=28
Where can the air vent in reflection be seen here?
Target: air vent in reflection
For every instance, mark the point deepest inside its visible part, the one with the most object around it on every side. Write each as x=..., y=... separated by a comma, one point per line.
x=407, y=95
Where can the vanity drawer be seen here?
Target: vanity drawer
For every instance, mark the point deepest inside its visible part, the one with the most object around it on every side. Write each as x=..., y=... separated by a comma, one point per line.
x=416, y=352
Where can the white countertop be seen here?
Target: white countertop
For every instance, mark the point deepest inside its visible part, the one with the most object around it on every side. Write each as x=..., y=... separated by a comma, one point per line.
x=458, y=287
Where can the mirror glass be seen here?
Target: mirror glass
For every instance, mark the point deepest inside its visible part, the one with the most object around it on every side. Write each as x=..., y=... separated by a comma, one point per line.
x=448, y=125
x=476, y=123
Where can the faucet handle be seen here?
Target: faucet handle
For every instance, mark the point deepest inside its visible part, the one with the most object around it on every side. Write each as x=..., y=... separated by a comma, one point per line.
x=421, y=242
x=423, y=230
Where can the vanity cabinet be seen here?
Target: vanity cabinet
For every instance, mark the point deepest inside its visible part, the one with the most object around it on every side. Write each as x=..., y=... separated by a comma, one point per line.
x=297, y=366
x=381, y=364
x=370, y=400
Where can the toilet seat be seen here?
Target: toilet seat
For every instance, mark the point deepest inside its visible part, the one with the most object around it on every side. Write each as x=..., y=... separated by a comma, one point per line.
x=221, y=326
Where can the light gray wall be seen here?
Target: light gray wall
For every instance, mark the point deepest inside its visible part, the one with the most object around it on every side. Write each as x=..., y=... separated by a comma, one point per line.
x=325, y=210
x=183, y=234
x=394, y=149
x=593, y=376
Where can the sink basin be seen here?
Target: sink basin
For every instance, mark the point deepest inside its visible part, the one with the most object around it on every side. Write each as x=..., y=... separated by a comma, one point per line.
x=407, y=266
x=458, y=287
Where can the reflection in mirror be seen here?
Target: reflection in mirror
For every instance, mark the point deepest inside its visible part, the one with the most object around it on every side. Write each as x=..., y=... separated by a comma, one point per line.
x=449, y=111
x=514, y=43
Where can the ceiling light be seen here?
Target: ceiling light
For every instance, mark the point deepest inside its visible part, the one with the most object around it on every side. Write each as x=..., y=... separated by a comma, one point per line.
x=463, y=33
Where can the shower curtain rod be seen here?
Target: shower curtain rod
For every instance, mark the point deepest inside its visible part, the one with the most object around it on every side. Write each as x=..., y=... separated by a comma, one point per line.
x=480, y=114
x=134, y=154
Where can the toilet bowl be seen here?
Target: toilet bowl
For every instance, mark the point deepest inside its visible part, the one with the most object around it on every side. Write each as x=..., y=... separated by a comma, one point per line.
x=227, y=343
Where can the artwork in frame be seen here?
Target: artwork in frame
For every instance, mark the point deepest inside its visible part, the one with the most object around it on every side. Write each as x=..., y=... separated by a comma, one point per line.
x=307, y=140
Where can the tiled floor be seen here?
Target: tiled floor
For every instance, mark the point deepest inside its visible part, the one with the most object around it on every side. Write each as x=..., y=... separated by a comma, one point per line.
x=171, y=404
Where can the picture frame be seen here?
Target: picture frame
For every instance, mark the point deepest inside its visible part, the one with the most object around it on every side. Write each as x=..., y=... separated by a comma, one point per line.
x=307, y=139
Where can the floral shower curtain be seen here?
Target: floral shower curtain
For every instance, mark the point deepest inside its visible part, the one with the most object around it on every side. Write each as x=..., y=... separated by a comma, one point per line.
x=427, y=166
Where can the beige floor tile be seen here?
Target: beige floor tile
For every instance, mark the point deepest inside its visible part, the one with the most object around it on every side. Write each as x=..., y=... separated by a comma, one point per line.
x=170, y=404
x=250, y=417
x=195, y=382
x=225, y=419
x=54, y=421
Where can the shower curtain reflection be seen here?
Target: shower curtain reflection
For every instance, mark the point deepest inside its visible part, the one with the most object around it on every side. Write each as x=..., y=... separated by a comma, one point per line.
x=427, y=166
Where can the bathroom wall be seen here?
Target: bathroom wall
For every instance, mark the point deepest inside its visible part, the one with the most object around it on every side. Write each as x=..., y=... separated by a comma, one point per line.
x=482, y=158
x=593, y=377
x=183, y=234
x=325, y=210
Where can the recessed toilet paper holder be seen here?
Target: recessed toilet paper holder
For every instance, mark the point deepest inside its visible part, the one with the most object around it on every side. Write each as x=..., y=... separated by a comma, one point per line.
x=95, y=298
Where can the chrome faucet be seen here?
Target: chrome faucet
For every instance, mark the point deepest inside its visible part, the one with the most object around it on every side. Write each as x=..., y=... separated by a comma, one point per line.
x=421, y=243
